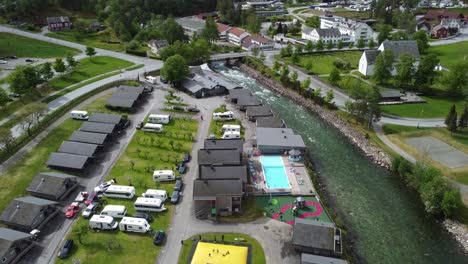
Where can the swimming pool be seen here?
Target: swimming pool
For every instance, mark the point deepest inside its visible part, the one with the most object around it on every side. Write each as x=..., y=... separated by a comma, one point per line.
x=274, y=171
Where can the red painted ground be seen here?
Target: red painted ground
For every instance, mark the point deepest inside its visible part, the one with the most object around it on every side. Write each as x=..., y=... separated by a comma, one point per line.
x=317, y=206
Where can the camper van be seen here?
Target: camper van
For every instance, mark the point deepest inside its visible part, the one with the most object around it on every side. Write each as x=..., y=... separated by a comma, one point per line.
x=232, y=128
x=163, y=175
x=149, y=204
x=231, y=135
x=152, y=193
x=159, y=119
x=132, y=224
x=102, y=222
x=120, y=191
x=79, y=115
x=225, y=116
x=151, y=79
x=116, y=211
x=155, y=128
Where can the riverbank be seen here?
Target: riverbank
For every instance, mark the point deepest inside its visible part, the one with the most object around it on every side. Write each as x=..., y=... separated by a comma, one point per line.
x=372, y=152
x=459, y=231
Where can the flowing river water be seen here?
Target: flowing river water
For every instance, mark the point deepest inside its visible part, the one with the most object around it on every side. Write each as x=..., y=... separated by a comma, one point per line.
x=387, y=222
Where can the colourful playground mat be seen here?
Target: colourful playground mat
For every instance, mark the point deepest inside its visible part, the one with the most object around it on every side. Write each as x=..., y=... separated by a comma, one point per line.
x=219, y=254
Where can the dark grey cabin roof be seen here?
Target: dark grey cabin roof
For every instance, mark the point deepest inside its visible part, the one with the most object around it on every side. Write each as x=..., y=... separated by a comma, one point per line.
x=119, y=102
x=223, y=173
x=8, y=237
x=402, y=46
x=248, y=101
x=130, y=89
x=313, y=234
x=224, y=144
x=97, y=127
x=236, y=93
x=125, y=95
x=316, y=259
x=60, y=19
x=328, y=32
x=66, y=160
x=390, y=94
x=78, y=148
x=278, y=137
x=219, y=156
x=105, y=118
x=269, y=121
x=88, y=137
x=49, y=183
x=253, y=111
x=24, y=210
x=203, y=188
x=371, y=55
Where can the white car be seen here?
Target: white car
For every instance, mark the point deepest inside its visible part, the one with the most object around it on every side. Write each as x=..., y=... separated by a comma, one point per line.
x=103, y=186
x=3, y=62
x=90, y=210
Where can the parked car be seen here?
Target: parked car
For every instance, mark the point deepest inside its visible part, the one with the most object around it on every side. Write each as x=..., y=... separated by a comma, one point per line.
x=175, y=197
x=92, y=198
x=65, y=251
x=81, y=197
x=193, y=109
x=178, y=108
x=187, y=157
x=140, y=125
x=178, y=184
x=181, y=168
x=163, y=80
x=126, y=123
x=72, y=210
x=159, y=237
x=103, y=186
x=90, y=210
x=13, y=57
x=29, y=60
x=3, y=62
x=146, y=216
x=13, y=95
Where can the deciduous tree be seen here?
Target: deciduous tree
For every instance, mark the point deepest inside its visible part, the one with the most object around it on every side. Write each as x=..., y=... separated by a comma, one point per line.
x=361, y=43
x=335, y=76
x=405, y=70
x=59, y=65
x=425, y=73
x=383, y=66
x=90, y=52
x=71, y=61
x=319, y=45
x=6, y=138
x=210, y=31
x=309, y=47
x=175, y=69
x=457, y=79
x=422, y=39
x=46, y=71
x=451, y=119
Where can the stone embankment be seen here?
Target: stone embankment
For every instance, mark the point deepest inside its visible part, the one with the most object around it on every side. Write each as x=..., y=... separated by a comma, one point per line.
x=375, y=154
x=458, y=230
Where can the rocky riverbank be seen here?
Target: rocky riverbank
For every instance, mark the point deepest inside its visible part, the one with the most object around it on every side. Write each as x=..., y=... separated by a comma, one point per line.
x=374, y=153
x=458, y=230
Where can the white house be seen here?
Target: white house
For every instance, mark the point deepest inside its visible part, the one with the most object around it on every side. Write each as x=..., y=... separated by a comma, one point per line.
x=316, y=34
x=223, y=31
x=451, y=23
x=367, y=60
x=236, y=35
x=355, y=30
x=156, y=45
x=257, y=41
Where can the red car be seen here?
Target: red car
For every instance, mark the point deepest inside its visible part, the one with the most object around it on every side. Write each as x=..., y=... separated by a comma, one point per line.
x=72, y=210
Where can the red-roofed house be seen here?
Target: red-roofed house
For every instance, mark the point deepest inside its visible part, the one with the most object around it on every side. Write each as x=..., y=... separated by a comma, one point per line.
x=223, y=31
x=247, y=43
x=434, y=16
x=262, y=42
x=236, y=35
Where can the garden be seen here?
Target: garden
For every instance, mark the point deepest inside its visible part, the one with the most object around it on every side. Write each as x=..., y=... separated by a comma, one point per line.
x=324, y=63
x=435, y=107
x=217, y=125
x=104, y=39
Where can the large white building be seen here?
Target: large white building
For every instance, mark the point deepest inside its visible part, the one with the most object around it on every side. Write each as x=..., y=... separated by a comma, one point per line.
x=316, y=34
x=352, y=29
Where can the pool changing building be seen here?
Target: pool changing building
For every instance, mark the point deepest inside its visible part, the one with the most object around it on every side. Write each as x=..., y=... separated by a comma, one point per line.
x=278, y=140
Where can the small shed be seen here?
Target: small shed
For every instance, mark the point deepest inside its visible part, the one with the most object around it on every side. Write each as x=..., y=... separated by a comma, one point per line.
x=390, y=96
x=52, y=185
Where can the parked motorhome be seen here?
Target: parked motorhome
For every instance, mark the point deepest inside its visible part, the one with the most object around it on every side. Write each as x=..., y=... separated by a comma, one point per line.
x=226, y=116
x=116, y=211
x=132, y=224
x=159, y=119
x=79, y=115
x=120, y=191
x=155, y=128
x=232, y=128
x=152, y=193
x=151, y=79
x=149, y=204
x=163, y=175
x=102, y=222
x=231, y=135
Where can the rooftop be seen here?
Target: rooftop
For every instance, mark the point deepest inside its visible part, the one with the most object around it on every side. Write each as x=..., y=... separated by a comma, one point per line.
x=316, y=259
x=105, y=118
x=202, y=188
x=191, y=23
x=60, y=19
x=278, y=137
x=88, y=137
x=237, y=93
x=119, y=102
x=224, y=144
x=219, y=157
x=269, y=121
x=97, y=127
x=254, y=111
x=222, y=27
x=223, y=173
x=23, y=211
x=50, y=183
x=65, y=160
x=248, y=101
x=313, y=234
x=78, y=148
x=8, y=237
x=237, y=31
x=400, y=47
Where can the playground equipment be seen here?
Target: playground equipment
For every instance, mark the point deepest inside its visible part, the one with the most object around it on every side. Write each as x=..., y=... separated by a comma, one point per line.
x=300, y=202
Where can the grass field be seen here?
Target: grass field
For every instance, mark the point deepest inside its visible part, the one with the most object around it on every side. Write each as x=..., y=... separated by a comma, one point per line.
x=149, y=152
x=322, y=63
x=436, y=107
x=88, y=68
x=451, y=54
x=19, y=46
x=97, y=40
x=258, y=256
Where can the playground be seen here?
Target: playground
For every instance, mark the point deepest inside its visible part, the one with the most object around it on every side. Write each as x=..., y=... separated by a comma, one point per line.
x=219, y=253
x=287, y=208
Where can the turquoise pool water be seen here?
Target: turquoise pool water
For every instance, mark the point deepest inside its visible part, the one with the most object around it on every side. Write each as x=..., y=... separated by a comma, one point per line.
x=274, y=171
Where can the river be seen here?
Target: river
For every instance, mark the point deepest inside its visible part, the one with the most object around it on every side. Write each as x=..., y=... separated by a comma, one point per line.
x=387, y=221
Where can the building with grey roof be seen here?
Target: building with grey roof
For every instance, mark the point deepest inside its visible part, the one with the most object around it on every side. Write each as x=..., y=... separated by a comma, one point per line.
x=192, y=26
x=28, y=213
x=115, y=102
x=269, y=121
x=217, y=197
x=203, y=82
x=78, y=148
x=219, y=157
x=253, y=112
x=102, y=128
x=390, y=96
x=278, y=140
x=212, y=144
x=316, y=237
x=14, y=245
x=125, y=97
x=68, y=161
x=52, y=185
x=89, y=137
x=130, y=89
x=105, y=118
x=245, y=101
x=235, y=94
x=316, y=259
x=223, y=173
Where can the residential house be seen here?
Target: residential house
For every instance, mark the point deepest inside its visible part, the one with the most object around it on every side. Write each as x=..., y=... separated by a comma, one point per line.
x=28, y=213
x=13, y=245
x=223, y=31
x=262, y=43
x=453, y=25
x=316, y=237
x=237, y=35
x=351, y=30
x=58, y=23
x=265, y=8
x=217, y=197
x=367, y=60
x=253, y=112
x=278, y=140
x=212, y=144
x=156, y=45
x=52, y=185
x=96, y=26
x=433, y=16
x=325, y=35
x=192, y=25
x=219, y=157
x=439, y=31
x=213, y=172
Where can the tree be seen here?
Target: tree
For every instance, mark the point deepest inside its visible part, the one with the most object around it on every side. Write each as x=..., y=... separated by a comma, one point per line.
x=399, y=35
x=283, y=52
x=284, y=75
x=23, y=79
x=289, y=49
x=171, y=143
x=457, y=79
x=335, y=76
x=371, y=43
x=309, y=47
x=255, y=51
x=6, y=138
x=365, y=107
x=175, y=69
x=71, y=61
x=306, y=83
x=361, y=43
x=294, y=76
x=451, y=203
x=210, y=31
x=202, y=48
x=340, y=44
x=329, y=45
x=383, y=66
x=276, y=66
x=90, y=52
x=319, y=45
x=405, y=70
x=253, y=24
x=295, y=57
x=405, y=20
x=384, y=33
x=172, y=31
x=463, y=121
x=351, y=45
x=422, y=39
x=46, y=71
x=425, y=73
x=59, y=65
x=3, y=98
x=313, y=22
x=329, y=96
x=37, y=111
x=451, y=119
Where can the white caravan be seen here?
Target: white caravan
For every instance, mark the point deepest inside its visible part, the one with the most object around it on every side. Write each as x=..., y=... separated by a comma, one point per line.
x=117, y=211
x=120, y=191
x=133, y=224
x=231, y=135
x=226, y=116
x=163, y=175
x=79, y=115
x=231, y=128
x=151, y=79
x=102, y=222
x=152, y=193
x=155, y=128
x=149, y=204
x=159, y=119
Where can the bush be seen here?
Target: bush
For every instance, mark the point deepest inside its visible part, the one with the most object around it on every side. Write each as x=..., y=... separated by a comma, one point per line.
x=341, y=64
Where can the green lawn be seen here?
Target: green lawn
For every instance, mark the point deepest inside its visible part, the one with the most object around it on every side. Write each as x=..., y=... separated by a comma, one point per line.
x=88, y=68
x=436, y=107
x=19, y=46
x=258, y=256
x=322, y=63
x=150, y=152
x=451, y=54
x=97, y=40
